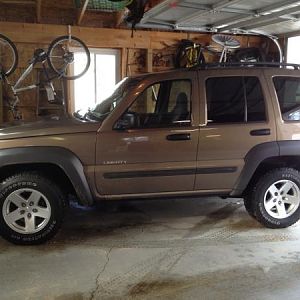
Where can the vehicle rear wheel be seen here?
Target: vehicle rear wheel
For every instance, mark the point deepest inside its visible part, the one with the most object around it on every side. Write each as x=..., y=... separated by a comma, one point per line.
x=32, y=209
x=276, y=202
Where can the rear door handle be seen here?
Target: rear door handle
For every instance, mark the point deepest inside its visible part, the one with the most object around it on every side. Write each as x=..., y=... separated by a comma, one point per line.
x=260, y=132
x=179, y=137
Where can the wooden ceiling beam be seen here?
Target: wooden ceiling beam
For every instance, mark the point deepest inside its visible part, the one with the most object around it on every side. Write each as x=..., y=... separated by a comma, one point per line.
x=38, y=10
x=23, y=2
x=82, y=12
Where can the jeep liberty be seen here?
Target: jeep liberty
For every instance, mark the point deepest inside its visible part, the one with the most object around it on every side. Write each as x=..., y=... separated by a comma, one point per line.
x=222, y=131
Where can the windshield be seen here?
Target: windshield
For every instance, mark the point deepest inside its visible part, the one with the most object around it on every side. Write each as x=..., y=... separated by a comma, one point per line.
x=104, y=109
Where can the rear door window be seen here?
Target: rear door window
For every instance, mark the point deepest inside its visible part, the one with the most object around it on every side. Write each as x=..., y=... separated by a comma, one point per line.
x=235, y=99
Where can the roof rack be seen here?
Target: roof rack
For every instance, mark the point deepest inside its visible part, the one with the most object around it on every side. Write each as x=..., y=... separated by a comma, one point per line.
x=248, y=65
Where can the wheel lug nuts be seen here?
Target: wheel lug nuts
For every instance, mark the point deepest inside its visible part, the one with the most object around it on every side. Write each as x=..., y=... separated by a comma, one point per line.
x=35, y=210
x=31, y=204
x=22, y=212
x=274, y=200
x=29, y=215
x=23, y=204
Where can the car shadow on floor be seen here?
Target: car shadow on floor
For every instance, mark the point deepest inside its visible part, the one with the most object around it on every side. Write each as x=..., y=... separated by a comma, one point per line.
x=154, y=220
x=124, y=220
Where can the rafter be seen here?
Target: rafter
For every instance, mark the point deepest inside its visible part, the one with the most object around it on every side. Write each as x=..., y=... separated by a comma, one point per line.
x=82, y=12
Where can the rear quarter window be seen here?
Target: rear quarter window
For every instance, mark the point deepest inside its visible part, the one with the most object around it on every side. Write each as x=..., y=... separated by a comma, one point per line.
x=288, y=94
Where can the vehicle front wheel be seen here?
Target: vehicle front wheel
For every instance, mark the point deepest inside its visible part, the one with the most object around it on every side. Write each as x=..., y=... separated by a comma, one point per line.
x=276, y=202
x=32, y=208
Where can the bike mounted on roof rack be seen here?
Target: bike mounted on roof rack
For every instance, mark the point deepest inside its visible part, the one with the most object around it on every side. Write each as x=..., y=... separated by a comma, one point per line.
x=190, y=54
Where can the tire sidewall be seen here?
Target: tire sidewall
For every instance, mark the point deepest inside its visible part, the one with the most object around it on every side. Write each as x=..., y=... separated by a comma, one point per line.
x=260, y=211
x=52, y=195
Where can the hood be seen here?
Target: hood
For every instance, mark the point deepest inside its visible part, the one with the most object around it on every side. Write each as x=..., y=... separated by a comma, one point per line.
x=47, y=126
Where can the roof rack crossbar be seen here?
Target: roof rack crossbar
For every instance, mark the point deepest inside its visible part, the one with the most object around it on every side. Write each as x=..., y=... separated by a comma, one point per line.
x=247, y=64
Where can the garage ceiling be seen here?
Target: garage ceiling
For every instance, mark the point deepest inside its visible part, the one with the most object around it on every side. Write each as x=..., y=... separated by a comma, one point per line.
x=272, y=17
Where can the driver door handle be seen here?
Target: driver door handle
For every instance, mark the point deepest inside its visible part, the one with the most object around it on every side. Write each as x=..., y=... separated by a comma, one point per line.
x=260, y=132
x=179, y=137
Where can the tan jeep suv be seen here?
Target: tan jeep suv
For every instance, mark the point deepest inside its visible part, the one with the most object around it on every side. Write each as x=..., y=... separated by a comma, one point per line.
x=232, y=132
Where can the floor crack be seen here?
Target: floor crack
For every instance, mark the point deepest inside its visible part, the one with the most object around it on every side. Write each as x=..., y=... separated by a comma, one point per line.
x=97, y=282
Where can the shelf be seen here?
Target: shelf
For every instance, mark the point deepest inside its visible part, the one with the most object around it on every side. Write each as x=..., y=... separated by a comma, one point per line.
x=43, y=105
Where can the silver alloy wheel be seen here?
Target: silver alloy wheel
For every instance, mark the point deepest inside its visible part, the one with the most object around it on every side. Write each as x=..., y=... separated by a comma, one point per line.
x=26, y=211
x=282, y=199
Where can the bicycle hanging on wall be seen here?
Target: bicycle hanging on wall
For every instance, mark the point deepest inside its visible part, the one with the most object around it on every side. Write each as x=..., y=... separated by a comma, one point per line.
x=59, y=57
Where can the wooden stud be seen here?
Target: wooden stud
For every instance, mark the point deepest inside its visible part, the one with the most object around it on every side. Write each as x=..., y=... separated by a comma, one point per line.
x=149, y=65
x=38, y=10
x=82, y=12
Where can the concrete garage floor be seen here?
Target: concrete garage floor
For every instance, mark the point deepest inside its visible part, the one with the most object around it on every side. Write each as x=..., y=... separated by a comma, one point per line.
x=167, y=249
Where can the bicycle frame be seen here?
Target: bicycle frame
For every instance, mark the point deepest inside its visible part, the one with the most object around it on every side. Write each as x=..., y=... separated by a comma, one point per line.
x=48, y=60
x=17, y=88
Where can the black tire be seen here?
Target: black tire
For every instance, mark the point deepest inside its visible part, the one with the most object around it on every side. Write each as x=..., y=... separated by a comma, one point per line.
x=48, y=197
x=13, y=53
x=251, y=54
x=58, y=58
x=181, y=55
x=249, y=205
x=261, y=190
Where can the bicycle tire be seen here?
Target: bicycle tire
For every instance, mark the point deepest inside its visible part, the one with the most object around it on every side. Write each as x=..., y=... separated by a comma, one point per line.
x=62, y=56
x=15, y=58
x=181, y=56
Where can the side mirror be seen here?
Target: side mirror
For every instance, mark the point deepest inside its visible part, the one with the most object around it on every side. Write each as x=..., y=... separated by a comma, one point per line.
x=127, y=121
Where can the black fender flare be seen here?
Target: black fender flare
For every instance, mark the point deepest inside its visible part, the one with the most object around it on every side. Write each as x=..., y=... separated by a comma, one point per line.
x=253, y=158
x=66, y=160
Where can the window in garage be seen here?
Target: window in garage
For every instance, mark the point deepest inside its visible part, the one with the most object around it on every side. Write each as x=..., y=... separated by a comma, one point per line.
x=98, y=83
x=293, y=50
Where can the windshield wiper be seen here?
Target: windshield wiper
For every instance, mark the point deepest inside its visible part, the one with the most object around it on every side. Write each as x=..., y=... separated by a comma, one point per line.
x=77, y=115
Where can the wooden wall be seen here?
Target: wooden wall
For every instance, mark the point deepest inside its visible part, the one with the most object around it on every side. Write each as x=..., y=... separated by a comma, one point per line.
x=146, y=51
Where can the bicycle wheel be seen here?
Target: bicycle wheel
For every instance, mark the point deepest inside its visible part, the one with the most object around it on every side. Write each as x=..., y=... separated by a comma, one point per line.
x=68, y=57
x=8, y=56
x=188, y=55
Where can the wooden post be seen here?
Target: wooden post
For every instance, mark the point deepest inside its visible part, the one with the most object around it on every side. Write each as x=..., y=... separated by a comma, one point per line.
x=149, y=66
x=124, y=62
x=38, y=10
